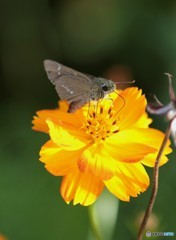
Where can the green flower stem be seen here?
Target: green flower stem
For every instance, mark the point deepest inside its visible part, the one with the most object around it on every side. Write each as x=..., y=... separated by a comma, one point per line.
x=155, y=183
x=94, y=226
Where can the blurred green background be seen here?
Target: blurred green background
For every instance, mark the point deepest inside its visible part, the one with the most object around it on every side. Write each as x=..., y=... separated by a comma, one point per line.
x=121, y=39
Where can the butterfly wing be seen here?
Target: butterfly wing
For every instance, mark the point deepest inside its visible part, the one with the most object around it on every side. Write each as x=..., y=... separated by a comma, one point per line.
x=70, y=84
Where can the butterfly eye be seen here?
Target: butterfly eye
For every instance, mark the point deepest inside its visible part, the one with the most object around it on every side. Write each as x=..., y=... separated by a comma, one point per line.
x=105, y=88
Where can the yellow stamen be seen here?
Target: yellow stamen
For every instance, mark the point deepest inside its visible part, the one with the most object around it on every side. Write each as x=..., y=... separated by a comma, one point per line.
x=101, y=123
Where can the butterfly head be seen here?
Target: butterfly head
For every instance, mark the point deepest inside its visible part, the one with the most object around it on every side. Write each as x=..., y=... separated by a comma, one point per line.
x=107, y=86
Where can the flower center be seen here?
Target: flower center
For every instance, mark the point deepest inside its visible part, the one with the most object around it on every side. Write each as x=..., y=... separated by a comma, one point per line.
x=101, y=123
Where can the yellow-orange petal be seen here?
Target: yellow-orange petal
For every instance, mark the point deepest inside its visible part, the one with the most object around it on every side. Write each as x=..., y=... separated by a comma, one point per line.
x=97, y=161
x=39, y=121
x=70, y=119
x=134, y=108
x=143, y=122
x=138, y=142
x=82, y=188
x=64, y=139
x=130, y=180
x=150, y=159
x=58, y=161
x=58, y=116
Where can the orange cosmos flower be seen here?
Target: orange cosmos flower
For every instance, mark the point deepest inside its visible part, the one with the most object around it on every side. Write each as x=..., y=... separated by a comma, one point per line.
x=106, y=145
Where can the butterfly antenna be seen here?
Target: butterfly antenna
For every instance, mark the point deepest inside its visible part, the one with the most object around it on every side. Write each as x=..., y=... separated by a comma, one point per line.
x=125, y=82
x=123, y=105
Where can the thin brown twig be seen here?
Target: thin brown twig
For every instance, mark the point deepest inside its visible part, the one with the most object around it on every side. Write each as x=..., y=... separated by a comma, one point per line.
x=155, y=184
